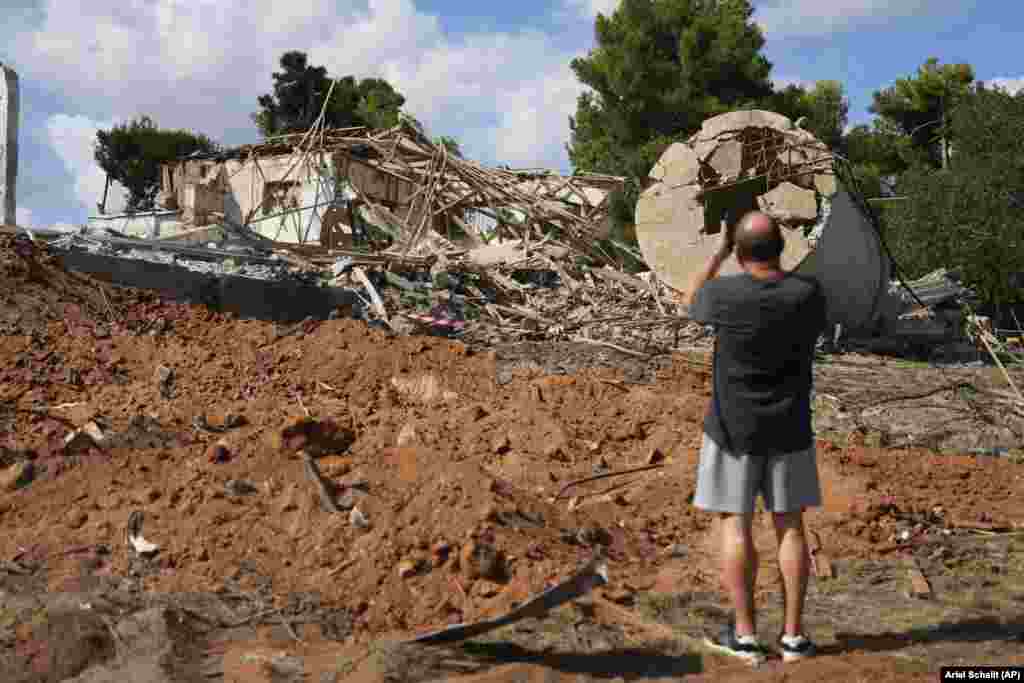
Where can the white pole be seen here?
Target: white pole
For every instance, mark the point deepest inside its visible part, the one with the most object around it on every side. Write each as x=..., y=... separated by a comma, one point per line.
x=8, y=145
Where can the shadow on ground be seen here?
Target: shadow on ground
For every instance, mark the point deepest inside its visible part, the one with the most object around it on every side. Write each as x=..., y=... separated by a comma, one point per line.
x=966, y=631
x=629, y=662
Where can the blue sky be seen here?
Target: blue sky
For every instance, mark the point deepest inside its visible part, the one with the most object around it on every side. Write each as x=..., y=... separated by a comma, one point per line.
x=495, y=75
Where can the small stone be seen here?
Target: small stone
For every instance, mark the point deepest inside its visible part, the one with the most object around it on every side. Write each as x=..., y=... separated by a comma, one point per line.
x=164, y=377
x=677, y=551
x=240, y=487
x=481, y=560
x=218, y=452
x=357, y=519
x=407, y=568
x=440, y=552
x=655, y=456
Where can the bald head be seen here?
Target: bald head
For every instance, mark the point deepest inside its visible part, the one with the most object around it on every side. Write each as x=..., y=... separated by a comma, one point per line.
x=758, y=238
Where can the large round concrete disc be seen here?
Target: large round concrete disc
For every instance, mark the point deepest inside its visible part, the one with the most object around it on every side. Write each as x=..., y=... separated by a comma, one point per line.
x=851, y=264
x=669, y=231
x=669, y=222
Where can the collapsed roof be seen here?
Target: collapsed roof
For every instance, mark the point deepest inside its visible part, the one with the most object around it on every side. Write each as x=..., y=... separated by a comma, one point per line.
x=436, y=188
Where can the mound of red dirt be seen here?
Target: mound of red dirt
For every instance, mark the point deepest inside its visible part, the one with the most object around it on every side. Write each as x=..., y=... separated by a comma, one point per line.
x=453, y=475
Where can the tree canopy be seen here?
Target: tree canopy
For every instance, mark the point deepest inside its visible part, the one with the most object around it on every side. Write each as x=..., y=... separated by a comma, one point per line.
x=920, y=105
x=659, y=68
x=131, y=153
x=970, y=217
x=299, y=92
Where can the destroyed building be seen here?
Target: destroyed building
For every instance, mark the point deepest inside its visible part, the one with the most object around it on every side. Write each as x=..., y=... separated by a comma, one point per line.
x=746, y=160
x=292, y=190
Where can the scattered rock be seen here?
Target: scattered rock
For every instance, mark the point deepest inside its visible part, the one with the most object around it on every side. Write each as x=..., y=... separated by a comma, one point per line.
x=919, y=586
x=480, y=560
x=165, y=381
x=17, y=475
x=218, y=452
x=440, y=552
x=91, y=435
x=357, y=519
x=677, y=551
x=408, y=568
x=240, y=487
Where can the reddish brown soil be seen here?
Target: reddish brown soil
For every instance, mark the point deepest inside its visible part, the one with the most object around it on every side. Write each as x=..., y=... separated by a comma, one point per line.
x=473, y=456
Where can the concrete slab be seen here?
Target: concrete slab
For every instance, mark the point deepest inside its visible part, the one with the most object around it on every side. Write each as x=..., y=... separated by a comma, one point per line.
x=727, y=160
x=679, y=165
x=790, y=203
x=737, y=120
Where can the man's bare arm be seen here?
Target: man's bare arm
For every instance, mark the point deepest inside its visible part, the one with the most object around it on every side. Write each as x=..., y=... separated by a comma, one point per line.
x=709, y=271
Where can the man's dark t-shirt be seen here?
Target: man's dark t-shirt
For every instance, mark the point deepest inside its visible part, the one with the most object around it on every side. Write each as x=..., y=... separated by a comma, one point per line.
x=766, y=331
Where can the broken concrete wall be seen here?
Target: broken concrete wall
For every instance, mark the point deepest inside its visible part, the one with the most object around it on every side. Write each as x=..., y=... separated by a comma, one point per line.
x=149, y=225
x=737, y=162
x=9, y=113
x=284, y=301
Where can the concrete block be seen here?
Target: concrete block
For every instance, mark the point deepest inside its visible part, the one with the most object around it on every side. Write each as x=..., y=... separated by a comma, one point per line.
x=790, y=203
x=727, y=160
x=679, y=165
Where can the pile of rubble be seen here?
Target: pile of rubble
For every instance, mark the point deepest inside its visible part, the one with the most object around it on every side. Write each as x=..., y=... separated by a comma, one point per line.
x=512, y=292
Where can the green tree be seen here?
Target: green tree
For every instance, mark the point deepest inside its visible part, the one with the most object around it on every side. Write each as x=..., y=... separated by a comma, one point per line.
x=131, y=153
x=878, y=152
x=828, y=112
x=969, y=217
x=659, y=68
x=300, y=90
x=920, y=106
x=824, y=107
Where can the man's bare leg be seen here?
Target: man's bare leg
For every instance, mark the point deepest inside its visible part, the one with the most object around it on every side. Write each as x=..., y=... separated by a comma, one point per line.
x=739, y=568
x=795, y=566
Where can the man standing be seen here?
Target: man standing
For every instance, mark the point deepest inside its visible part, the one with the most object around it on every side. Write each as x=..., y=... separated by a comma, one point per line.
x=757, y=430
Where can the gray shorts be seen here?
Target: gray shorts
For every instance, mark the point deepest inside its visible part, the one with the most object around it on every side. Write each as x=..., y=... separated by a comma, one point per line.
x=730, y=483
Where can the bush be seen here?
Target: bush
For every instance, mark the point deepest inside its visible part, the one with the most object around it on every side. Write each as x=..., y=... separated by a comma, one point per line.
x=971, y=216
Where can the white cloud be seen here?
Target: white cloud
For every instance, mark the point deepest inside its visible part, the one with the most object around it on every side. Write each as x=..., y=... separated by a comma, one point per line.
x=805, y=18
x=1012, y=85
x=24, y=217
x=72, y=138
x=201, y=64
